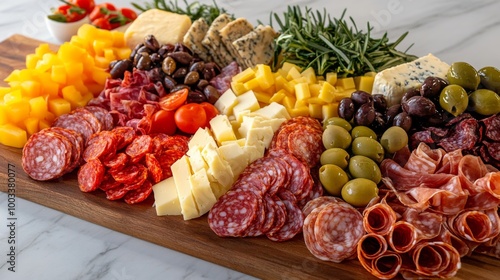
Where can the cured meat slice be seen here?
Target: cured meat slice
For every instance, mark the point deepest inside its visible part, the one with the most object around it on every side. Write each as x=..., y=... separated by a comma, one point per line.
x=427, y=224
x=77, y=144
x=433, y=259
x=266, y=170
x=125, y=136
x=140, y=194
x=116, y=193
x=45, y=156
x=233, y=213
x=338, y=229
x=116, y=162
x=166, y=159
x=102, y=115
x=76, y=123
x=310, y=237
x=403, y=237
x=463, y=136
x=89, y=117
x=424, y=159
x=306, y=145
x=270, y=210
x=475, y=226
x=305, y=121
x=138, y=180
x=279, y=217
x=379, y=218
x=177, y=142
x=130, y=174
x=371, y=246
x=385, y=266
x=492, y=127
x=320, y=201
x=255, y=229
x=100, y=145
x=139, y=147
x=91, y=175
x=154, y=168
x=109, y=183
x=293, y=224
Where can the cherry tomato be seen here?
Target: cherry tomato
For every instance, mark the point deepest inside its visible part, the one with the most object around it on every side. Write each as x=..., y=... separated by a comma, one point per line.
x=68, y=13
x=210, y=110
x=174, y=100
x=189, y=117
x=163, y=122
x=87, y=5
x=130, y=14
x=101, y=10
x=102, y=23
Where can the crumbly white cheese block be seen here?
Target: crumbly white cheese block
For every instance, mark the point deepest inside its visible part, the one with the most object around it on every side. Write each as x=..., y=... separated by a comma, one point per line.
x=194, y=37
x=395, y=81
x=166, y=198
x=213, y=41
x=233, y=31
x=235, y=155
x=254, y=121
x=222, y=129
x=246, y=103
x=202, y=192
x=201, y=137
x=273, y=110
x=226, y=102
x=219, y=169
x=167, y=27
x=196, y=159
x=181, y=171
x=257, y=47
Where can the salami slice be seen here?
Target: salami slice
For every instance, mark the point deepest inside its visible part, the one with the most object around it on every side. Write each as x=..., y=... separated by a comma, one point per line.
x=310, y=237
x=45, y=157
x=109, y=183
x=306, y=145
x=154, y=168
x=75, y=122
x=320, y=201
x=139, y=147
x=116, y=193
x=77, y=144
x=233, y=213
x=102, y=115
x=255, y=229
x=379, y=218
x=338, y=229
x=89, y=117
x=138, y=180
x=464, y=136
x=68, y=145
x=91, y=175
x=492, y=127
x=403, y=237
x=293, y=224
x=279, y=216
x=434, y=259
x=129, y=175
x=140, y=194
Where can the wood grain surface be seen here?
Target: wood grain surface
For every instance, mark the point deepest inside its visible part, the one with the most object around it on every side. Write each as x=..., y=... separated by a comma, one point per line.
x=258, y=257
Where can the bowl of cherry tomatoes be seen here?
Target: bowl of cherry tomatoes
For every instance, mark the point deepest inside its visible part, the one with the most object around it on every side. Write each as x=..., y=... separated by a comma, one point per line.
x=65, y=20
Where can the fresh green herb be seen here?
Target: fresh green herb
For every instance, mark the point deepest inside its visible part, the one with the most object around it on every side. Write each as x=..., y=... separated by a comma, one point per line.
x=194, y=10
x=310, y=39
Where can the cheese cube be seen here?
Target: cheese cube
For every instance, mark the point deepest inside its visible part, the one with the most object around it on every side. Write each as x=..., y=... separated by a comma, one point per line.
x=167, y=27
x=260, y=137
x=235, y=155
x=315, y=89
x=218, y=189
x=254, y=121
x=166, y=198
x=226, y=102
x=202, y=192
x=283, y=84
x=244, y=76
x=330, y=110
x=181, y=171
x=218, y=168
x=293, y=74
x=346, y=83
x=246, y=102
x=195, y=159
x=310, y=75
x=253, y=153
x=331, y=78
x=222, y=129
x=273, y=111
x=278, y=96
x=262, y=97
x=201, y=137
x=264, y=76
x=302, y=91
x=364, y=83
x=316, y=111
x=327, y=93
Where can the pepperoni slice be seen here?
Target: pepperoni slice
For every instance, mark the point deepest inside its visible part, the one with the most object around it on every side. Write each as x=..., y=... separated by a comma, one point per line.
x=140, y=194
x=139, y=147
x=125, y=135
x=154, y=168
x=233, y=213
x=91, y=175
x=109, y=183
x=166, y=159
x=100, y=146
x=116, y=162
x=128, y=174
x=116, y=193
x=45, y=156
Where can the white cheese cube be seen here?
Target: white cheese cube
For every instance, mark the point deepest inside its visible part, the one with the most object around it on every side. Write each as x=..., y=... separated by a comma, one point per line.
x=218, y=168
x=395, y=81
x=202, y=192
x=260, y=137
x=201, y=137
x=236, y=156
x=226, y=102
x=247, y=102
x=253, y=153
x=222, y=129
x=273, y=111
x=181, y=172
x=196, y=159
x=166, y=199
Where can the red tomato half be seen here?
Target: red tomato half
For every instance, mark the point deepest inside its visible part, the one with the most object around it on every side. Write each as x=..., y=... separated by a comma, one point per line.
x=164, y=122
x=174, y=99
x=210, y=110
x=87, y=5
x=129, y=13
x=189, y=117
x=102, y=23
x=101, y=10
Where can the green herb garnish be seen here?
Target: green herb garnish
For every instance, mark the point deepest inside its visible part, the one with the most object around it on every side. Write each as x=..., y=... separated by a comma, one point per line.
x=194, y=10
x=310, y=39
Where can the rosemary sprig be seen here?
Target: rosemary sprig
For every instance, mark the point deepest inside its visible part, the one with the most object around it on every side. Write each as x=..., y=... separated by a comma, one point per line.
x=314, y=39
x=194, y=10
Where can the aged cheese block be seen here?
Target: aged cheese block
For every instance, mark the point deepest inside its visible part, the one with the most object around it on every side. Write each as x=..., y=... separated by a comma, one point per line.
x=168, y=28
x=213, y=41
x=233, y=31
x=194, y=37
x=257, y=47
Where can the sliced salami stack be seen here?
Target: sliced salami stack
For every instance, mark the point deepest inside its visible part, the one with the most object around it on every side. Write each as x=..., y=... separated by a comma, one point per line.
x=58, y=150
x=266, y=199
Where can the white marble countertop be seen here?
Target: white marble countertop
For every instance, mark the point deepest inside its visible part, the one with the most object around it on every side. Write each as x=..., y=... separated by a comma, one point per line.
x=53, y=245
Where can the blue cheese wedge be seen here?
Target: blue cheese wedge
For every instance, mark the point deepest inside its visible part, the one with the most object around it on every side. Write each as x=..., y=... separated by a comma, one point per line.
x=213, y=41
x=233, y=31
x=194, y=37
x=395, y=81
x=257, y=47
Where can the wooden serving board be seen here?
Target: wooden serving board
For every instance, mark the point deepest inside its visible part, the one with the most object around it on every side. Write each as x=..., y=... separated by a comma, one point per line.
x=258, y=257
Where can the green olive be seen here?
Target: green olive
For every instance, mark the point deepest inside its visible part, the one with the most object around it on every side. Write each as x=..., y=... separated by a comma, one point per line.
x=337, y=121
x=394, y=139
x=368, y=147
x=333, y=178
x=361, y=130
x=337, y=156
x=490, y=78
x=463, y=74
x=364, y=167
x=359, y=192
x=335, y=136
x=485, y=102
x=453, y=99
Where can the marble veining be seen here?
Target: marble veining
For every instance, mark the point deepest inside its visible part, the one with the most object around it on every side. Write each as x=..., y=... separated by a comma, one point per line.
x=53, y=245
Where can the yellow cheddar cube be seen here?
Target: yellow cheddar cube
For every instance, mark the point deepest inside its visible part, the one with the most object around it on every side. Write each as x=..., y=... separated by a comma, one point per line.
x=31, y=125
x=262, y=97
x=299, y=111
x=264, y=76
x=38, y=107
x=315, y=100
x=244, y=76
x=252, y=84
x=13, y=136
x=287, y=66
x=71, y=94
x=327, y=92
x=32, y=60
x=309, y=75
x=58, y=73
x=43, y=49
x=278, y=96
x=364, y=83
x=330, y=110
x=31, y=88
x=293, y=74
x=283, y=84
x=315, y=89
x=343, y=94
x=289, y=102
x=331, y=77
x=346, y=83
x=18, y=111
x=316, y=111
x=302, y=91
x=59, y=106
x=238, y=88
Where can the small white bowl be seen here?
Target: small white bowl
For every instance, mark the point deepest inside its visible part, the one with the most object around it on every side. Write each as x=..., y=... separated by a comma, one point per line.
x=63, y=31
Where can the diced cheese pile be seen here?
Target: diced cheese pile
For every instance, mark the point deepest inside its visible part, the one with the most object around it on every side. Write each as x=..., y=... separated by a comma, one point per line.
x=300, y=91
x=217, y=156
